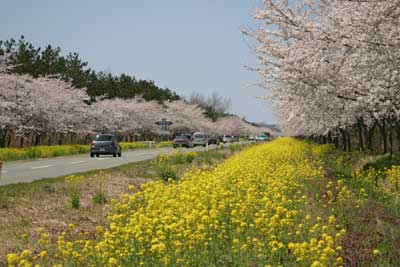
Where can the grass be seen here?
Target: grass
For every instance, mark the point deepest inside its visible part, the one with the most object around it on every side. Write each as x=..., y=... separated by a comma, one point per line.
x=381, y=162
x=11, y=154
x=46, y=203
x=375, y=224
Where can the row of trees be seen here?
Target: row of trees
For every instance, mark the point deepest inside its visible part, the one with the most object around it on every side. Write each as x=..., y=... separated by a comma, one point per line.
x=333, y=69
x=25, y=58
x=49, y=110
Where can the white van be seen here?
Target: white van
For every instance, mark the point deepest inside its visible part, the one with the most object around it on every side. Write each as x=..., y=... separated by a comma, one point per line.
x=199, y=139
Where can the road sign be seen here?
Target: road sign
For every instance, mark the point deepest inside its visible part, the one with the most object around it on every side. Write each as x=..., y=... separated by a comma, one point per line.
x=164, y=124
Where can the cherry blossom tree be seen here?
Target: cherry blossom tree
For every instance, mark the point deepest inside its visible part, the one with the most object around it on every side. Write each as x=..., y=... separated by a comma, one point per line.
x=126, y=116
x=40, y=106
x=331, y=66
x=186, y=117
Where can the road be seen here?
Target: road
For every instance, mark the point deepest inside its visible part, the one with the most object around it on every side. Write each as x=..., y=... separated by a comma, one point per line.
x=29, y=171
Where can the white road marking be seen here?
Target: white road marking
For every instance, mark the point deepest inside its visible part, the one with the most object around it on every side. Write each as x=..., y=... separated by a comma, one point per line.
x=41, y=167
x=102, y=159
x=77, y=162
x=4, y=171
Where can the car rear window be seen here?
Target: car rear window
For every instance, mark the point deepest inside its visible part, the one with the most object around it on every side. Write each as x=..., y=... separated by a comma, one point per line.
x=227, y=136
x=103, y=138
x=181, y=137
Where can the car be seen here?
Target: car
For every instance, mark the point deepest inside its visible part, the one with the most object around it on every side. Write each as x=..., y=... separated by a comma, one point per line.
x=213, y=140
x=251, y=138
x=262, y=137
x=199, y=139
x=105, y=144
x=226, y=138
x=183, y=140
x=235, y=138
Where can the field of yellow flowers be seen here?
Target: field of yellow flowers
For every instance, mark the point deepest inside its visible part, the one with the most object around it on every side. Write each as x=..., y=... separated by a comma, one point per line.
x=269, y=205
x=8, y=154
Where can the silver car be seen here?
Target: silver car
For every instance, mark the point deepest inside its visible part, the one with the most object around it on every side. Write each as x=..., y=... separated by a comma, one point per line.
x=226, y=138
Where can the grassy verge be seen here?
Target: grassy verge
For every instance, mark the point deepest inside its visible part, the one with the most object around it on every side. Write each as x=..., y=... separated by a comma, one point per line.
x=263, y=206
x=47, y=203
x=373, y=219
x=10, y=154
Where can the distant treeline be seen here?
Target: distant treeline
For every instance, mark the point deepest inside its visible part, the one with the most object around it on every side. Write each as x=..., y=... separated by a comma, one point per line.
x=49, y=61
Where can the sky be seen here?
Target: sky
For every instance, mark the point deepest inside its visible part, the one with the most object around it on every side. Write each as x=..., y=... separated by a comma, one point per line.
x=185, y=45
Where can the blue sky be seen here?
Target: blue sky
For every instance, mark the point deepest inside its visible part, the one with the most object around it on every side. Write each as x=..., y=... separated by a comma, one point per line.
x=187, y=46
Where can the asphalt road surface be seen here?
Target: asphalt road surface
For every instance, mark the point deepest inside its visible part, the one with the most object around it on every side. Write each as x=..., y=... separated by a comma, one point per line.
x=28, y=171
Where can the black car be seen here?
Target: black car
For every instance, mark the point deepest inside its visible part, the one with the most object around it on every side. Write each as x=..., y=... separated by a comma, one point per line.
x=105, y=144
x=213, y=140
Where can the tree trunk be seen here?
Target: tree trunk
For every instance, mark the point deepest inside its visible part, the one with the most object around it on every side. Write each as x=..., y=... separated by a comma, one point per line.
x=360, y=134
x=344, y=140
x=349, y=141
x=382, y=130
x=391, y=141
x=10, y=139
x=336, y=141
x=3, y=135
x=60, y=139
x=330, y=138
x=370, y=135
x=21, y=141
x=398, y=134
x=36, y=139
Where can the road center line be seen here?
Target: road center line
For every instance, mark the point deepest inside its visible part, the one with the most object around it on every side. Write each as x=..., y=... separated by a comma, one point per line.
x=41, y=167
x=77, y=162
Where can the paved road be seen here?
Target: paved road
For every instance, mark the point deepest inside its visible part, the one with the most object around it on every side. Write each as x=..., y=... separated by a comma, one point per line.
x=28, y=171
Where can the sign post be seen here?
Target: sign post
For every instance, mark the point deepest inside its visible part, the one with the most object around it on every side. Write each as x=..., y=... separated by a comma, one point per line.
x=164, y=126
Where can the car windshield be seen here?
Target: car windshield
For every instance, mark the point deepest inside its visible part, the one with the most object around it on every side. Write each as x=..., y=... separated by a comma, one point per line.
x=198, y=136
x=103, y=138
x=227, y=136
x=181, y=137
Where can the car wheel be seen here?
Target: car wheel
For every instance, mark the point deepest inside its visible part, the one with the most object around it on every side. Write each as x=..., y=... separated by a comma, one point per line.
x=114, y=155
x=91, y=155
x=119, y=154
x=97, y=155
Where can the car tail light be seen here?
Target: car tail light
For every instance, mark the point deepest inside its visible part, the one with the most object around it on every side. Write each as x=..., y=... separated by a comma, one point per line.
x=113, y=143
x=93, y=143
